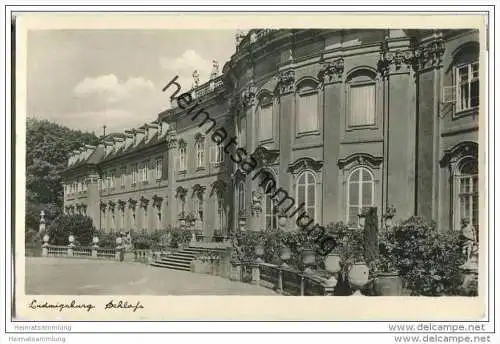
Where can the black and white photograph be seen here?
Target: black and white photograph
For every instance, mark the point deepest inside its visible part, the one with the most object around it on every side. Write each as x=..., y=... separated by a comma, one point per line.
x=334, y=163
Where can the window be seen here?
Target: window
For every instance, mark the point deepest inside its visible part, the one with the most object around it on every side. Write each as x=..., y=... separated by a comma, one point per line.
x=359, y=194
x=266, y=122
x=144, y=171
x=134, y=173
x=468, y=195
x=111, y=178
x=242, y=131
x=241, y=196
x=361, y=105
x=467, y=86
x=217, y=154
x=123, y=176
x=307, y=112
x=198, y=206
x=200, y=152
x=104, y=181
x=271, y=215
x=306, y=193
x=158, y=168
x=220, y=216
x=182, y=158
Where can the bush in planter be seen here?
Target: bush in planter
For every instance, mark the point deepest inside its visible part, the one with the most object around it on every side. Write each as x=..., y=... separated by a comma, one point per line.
x=80, y=226
x=428, y=261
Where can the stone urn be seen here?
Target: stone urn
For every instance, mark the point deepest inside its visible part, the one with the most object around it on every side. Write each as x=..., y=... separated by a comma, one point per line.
x=259, y=252
x=308, y=259
x=282, y=221
x=285, y=255
x=358, y=277
x=388, y=284
x=332, y=265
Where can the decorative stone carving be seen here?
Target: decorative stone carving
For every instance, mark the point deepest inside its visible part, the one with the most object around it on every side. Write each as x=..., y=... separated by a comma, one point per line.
x=466, y=148
x=361, y=159
x=157, y=201
x=180, y=192
x=132, y=203
x=285, y=81
x=256, y=202
x=419, y=56
x=219, y=187
x=144, y=202
x=331, y=70
x=265, y=156
x=171, y=139
x=196, y=78
x=111, y=205
x=303, y=164
x=102, y=205
x=247, y=97
x=198, y=190
x=121, y=205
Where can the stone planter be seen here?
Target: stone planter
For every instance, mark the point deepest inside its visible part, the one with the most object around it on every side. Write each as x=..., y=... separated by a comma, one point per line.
x=388, y=284
x=358, y=276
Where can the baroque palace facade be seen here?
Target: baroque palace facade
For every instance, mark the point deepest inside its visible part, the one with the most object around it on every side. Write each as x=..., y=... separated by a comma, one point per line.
x=341, y=119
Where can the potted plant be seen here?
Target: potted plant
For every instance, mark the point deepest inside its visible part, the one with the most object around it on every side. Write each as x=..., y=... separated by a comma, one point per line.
x=386, y=276
x=182, y=219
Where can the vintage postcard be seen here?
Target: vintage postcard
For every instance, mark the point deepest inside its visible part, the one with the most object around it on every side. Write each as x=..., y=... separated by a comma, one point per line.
x=240, y=166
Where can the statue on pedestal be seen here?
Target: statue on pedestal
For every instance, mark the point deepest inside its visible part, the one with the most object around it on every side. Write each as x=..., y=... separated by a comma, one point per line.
x=256, y=202
x=470, y=246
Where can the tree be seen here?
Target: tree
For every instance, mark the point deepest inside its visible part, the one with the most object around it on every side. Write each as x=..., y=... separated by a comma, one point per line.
x=48, y=146
x=81, y=227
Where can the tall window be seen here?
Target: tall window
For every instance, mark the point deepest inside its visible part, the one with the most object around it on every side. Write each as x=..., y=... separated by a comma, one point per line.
x=361, y=104
x=123, y=175
x=468, y=194
x=306, y=193
x=200, y=152
x=359, y=194
x=271, y=215
x=220, y=216
x=111, y=178
x=104, y=181
x=266, y=122
x=182, y=157
x=217, y=154
x=134, y=173
x=467, y=86
x=307, y=111
x=198, y=206
x=144, y=171
x=158, y=168
x=241, y=196
x=242, y=130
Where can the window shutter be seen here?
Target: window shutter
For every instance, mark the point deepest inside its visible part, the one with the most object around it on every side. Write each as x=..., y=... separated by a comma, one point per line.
x=448, y=94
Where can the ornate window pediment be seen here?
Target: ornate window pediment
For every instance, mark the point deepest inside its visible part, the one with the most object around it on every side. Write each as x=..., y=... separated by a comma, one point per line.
x=198, y=190
x=306, y=163
x=363, y=159
x=180, y=192
x=265, y=156
x=144, y=202
x=121, y=205
x=132, y=203
x=467, y=148
x=218, y=187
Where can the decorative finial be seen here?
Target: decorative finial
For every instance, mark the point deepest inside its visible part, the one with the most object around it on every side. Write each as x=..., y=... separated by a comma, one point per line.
x=104, y=130
x=196, y=77
x=215, y=69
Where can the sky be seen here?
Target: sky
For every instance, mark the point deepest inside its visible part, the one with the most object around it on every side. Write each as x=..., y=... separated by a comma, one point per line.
x=84, y=79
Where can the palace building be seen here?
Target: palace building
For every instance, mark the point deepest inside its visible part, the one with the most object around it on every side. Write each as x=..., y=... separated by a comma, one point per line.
x=340, y=120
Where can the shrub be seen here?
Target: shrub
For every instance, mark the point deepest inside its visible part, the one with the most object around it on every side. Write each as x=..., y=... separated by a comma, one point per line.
x=178, y=237
x=428, y=261
x=80, y=226
x=371, y=235
x=107, y=240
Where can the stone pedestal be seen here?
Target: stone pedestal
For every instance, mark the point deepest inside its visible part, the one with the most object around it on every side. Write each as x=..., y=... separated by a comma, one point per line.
x=70, y=250
x=94, y=251
x=45, y=250
x=255, y=274
x=235, y=273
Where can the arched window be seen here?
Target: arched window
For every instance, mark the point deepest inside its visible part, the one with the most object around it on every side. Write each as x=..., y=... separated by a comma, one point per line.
x=241, y=196
x=198, y=205
x=307, y=120
x=182, y=156
x=220, y=213
x=265, y=117
x=467, y=191
x=306, y=193
x=271, y=215
x=466, y=77
x=200, y=152
x=360, y=189
x=361, y=104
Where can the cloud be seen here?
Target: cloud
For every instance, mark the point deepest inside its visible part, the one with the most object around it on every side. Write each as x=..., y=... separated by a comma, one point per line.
x=111, y=89
x=184, y=66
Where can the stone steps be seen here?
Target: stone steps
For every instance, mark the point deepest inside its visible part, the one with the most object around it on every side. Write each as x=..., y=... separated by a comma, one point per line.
x=182, y=259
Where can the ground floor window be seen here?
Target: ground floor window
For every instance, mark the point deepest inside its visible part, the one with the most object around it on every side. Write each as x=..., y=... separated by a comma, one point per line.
x=467, y=197
x=360, y=194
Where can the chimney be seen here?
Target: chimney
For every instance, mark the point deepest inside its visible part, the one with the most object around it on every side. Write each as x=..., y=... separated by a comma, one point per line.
x=108, y=147
x=117, y=143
